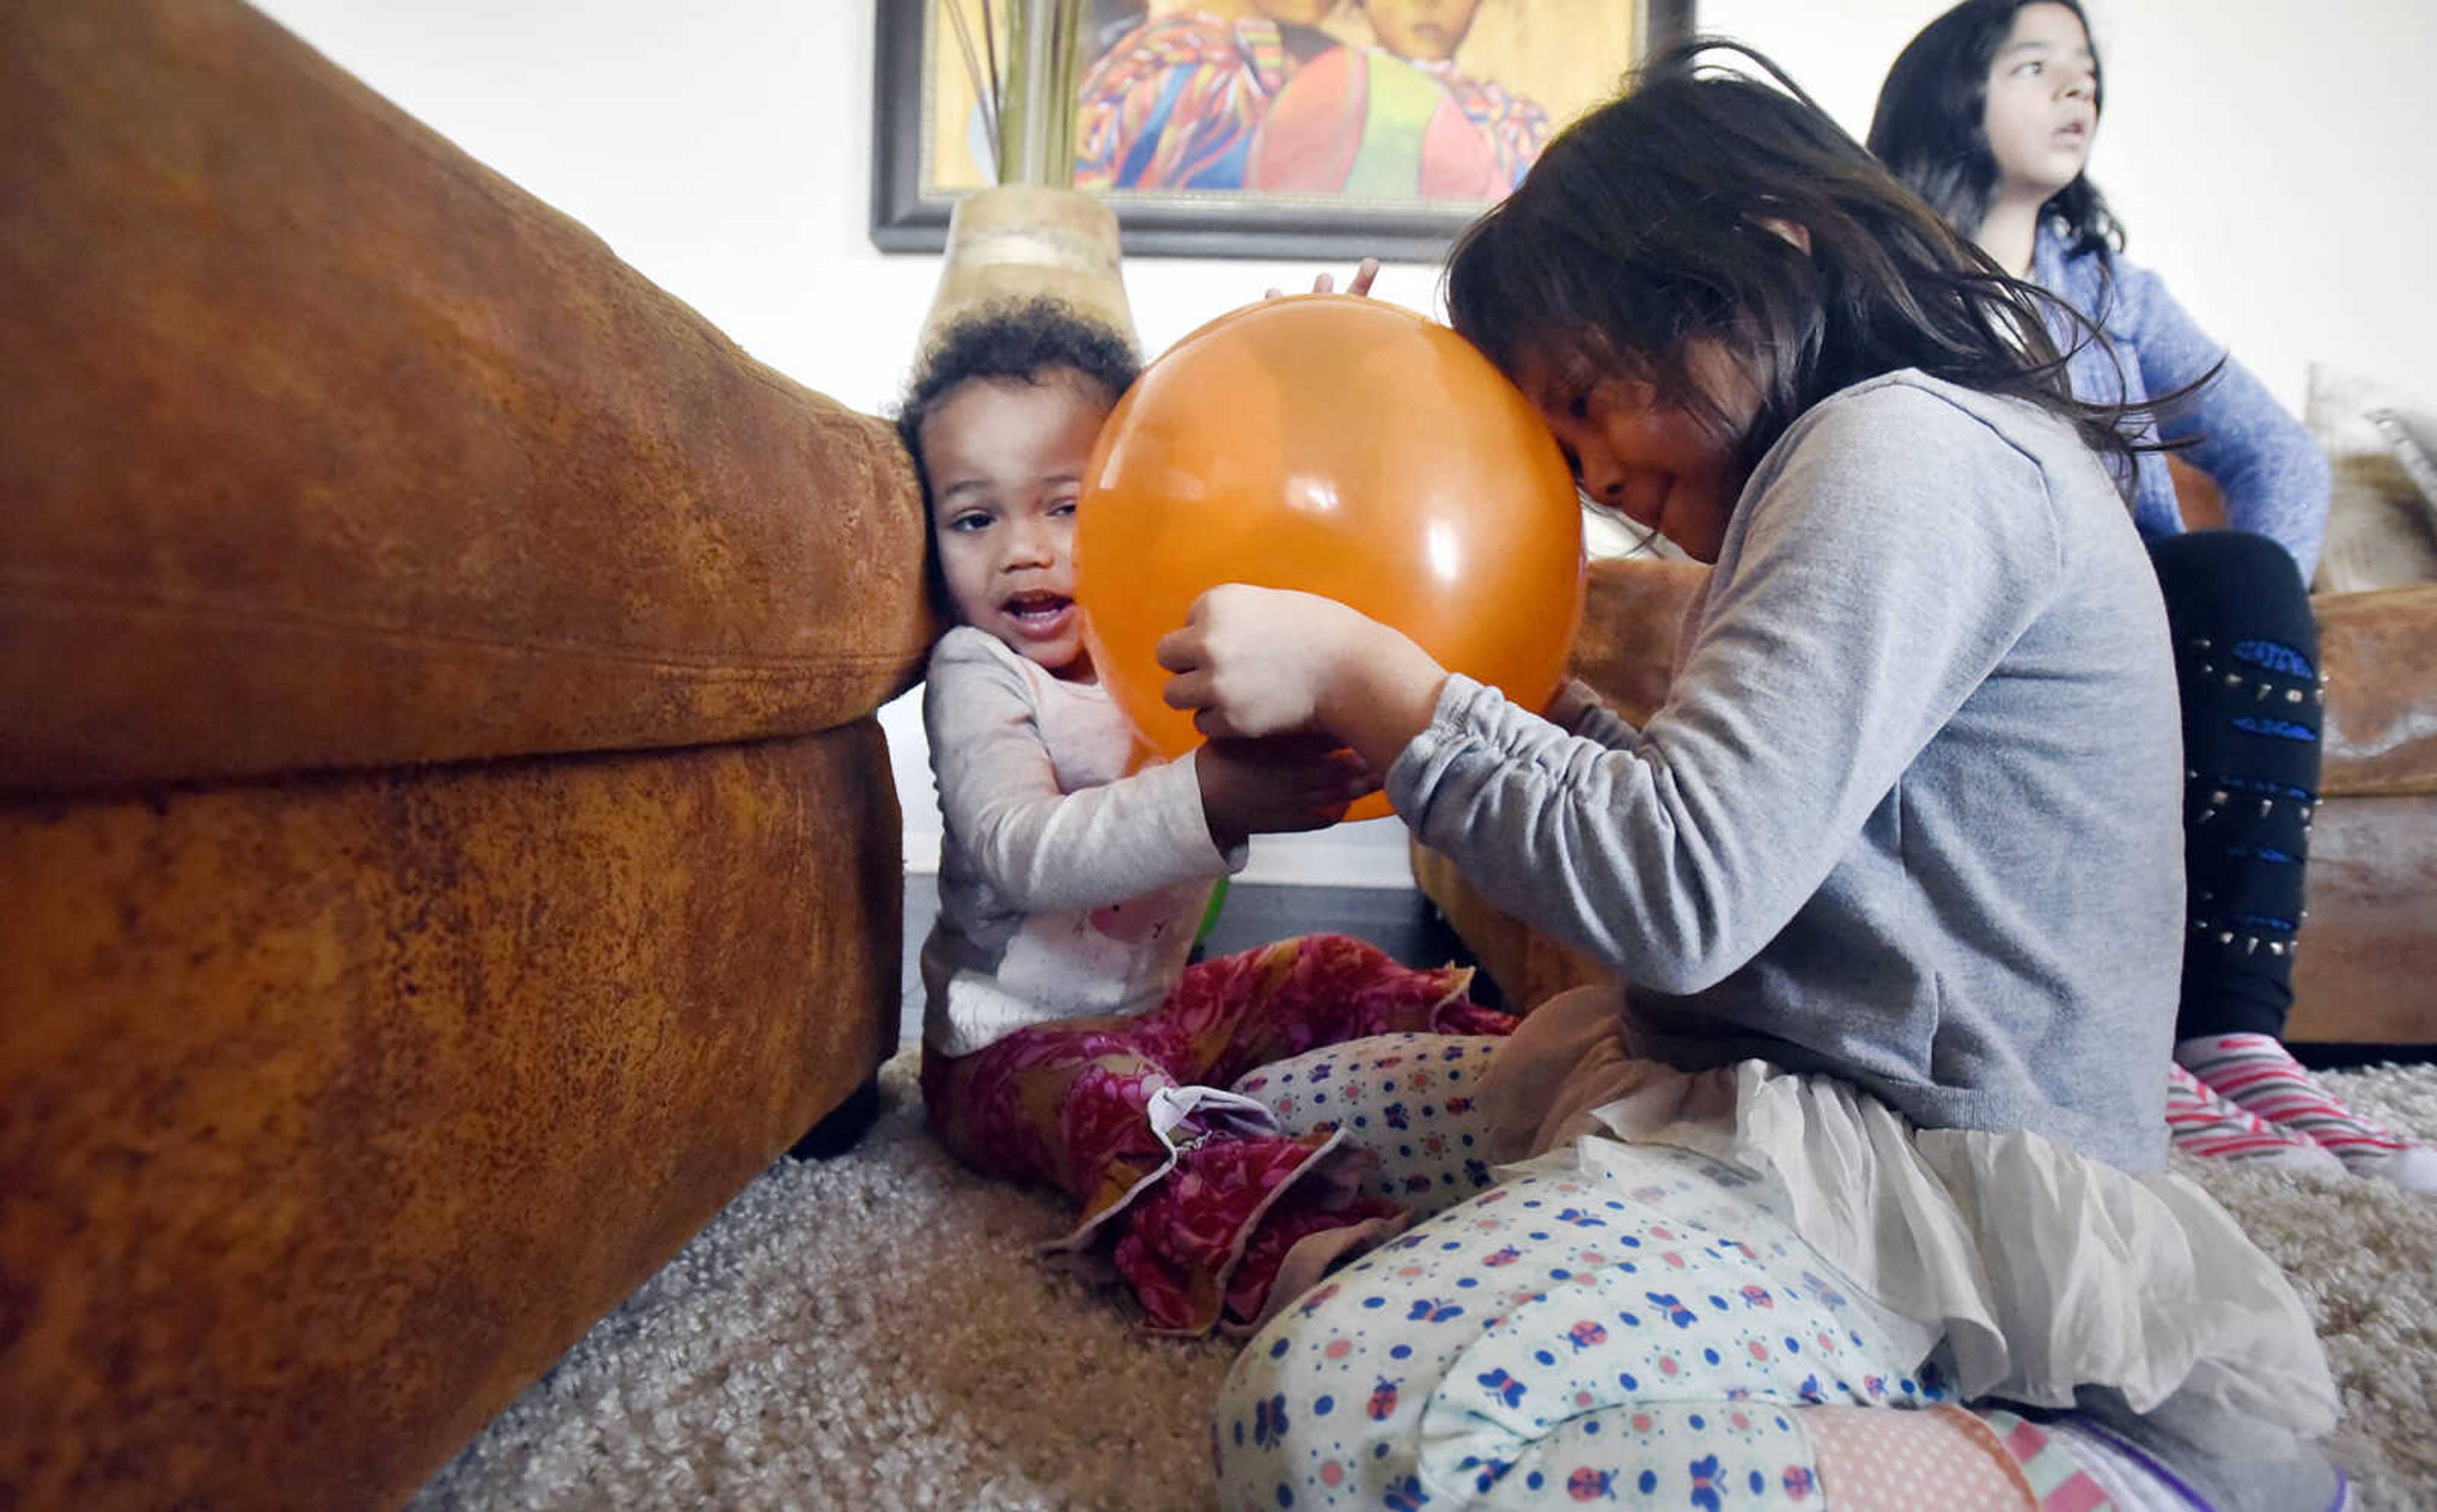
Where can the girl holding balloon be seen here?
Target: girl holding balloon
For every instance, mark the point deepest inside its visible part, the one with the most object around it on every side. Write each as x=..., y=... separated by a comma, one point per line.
x=1893, y=875
x=1065, y=1041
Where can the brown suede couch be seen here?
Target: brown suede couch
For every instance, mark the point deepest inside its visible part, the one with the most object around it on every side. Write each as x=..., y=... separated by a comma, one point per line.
x=2366, y=970
x=446, y=850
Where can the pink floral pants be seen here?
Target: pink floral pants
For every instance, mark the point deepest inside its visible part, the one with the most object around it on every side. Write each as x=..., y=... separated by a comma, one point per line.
x=1208, y=1206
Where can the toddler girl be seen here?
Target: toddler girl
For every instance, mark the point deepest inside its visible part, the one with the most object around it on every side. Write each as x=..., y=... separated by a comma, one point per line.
x=1064, y=1040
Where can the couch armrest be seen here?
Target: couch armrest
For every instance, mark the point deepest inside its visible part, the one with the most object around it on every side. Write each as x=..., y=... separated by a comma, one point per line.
x=328, y=446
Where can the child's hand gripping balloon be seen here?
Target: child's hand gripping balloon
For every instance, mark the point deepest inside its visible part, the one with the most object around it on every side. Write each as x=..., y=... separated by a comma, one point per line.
x=1254, y=662
x=1261, y=662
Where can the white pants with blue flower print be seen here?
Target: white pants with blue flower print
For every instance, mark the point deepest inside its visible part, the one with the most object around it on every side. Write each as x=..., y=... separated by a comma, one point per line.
x=1645, y=1335
x=1406, y=1098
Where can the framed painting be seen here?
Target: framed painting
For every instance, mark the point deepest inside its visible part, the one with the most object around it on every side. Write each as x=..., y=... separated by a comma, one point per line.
x=1301, y=129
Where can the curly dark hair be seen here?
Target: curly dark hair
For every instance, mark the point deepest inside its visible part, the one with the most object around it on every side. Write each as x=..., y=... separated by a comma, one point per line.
x=1031, y=341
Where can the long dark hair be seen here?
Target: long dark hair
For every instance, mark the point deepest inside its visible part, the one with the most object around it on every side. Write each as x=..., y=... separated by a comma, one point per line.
x=1931, y=125
x=1660, y=219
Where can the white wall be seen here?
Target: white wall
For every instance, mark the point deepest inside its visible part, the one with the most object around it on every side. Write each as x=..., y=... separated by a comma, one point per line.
x=2269, y=158
x=2265, y=155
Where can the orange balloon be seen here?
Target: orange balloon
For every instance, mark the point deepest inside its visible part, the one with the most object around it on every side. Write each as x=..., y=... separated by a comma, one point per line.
x=1341, y=447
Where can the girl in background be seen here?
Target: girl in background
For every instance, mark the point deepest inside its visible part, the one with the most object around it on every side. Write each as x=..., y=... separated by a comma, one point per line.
x=1891, y=875
x=1989, y=115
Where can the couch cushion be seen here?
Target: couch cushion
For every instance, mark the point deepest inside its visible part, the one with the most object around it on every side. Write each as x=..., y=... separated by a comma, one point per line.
x=1634, y=611
x=2365, y=964
x=2379, y=653
x=2380, y=533
x=330, y=448
x=333, y=1110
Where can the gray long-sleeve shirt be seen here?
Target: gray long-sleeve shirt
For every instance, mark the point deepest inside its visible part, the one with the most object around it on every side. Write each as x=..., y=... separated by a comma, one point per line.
x=1909, y=813
x=1067, y=887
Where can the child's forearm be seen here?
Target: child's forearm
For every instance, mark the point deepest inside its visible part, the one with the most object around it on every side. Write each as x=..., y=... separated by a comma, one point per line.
x=1094, y=846
x=1382, y=694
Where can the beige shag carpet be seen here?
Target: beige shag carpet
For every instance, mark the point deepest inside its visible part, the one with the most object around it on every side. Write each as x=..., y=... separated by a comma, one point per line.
x=873, y=1333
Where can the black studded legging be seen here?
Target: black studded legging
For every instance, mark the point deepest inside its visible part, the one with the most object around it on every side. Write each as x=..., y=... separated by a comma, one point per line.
x=2246, y=658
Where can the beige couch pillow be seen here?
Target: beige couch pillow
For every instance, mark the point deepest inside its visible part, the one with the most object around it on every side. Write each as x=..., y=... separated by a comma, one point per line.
x=2381, y=529
x=2412, y=435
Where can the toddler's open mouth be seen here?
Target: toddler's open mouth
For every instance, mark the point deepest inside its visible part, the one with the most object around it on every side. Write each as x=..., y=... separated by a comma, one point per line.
x=1039, y=611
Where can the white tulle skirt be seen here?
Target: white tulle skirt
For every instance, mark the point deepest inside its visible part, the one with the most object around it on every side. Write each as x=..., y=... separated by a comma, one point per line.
x=2049, y=1271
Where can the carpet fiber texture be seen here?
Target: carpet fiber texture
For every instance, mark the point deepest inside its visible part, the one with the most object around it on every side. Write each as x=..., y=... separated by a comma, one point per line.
x=874, y=1332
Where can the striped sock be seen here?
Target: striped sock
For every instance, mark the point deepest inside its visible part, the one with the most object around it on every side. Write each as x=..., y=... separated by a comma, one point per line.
x=2259, y=1074
x=2204, y=1124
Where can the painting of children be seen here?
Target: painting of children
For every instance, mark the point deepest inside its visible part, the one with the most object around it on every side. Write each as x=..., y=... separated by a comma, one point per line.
x=1323, y=126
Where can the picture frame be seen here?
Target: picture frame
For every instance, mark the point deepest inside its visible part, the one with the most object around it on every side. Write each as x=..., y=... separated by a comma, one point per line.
x=1572, y=51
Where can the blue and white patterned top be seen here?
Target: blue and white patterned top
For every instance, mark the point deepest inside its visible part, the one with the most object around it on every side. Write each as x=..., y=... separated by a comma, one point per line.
x=2274, y=472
